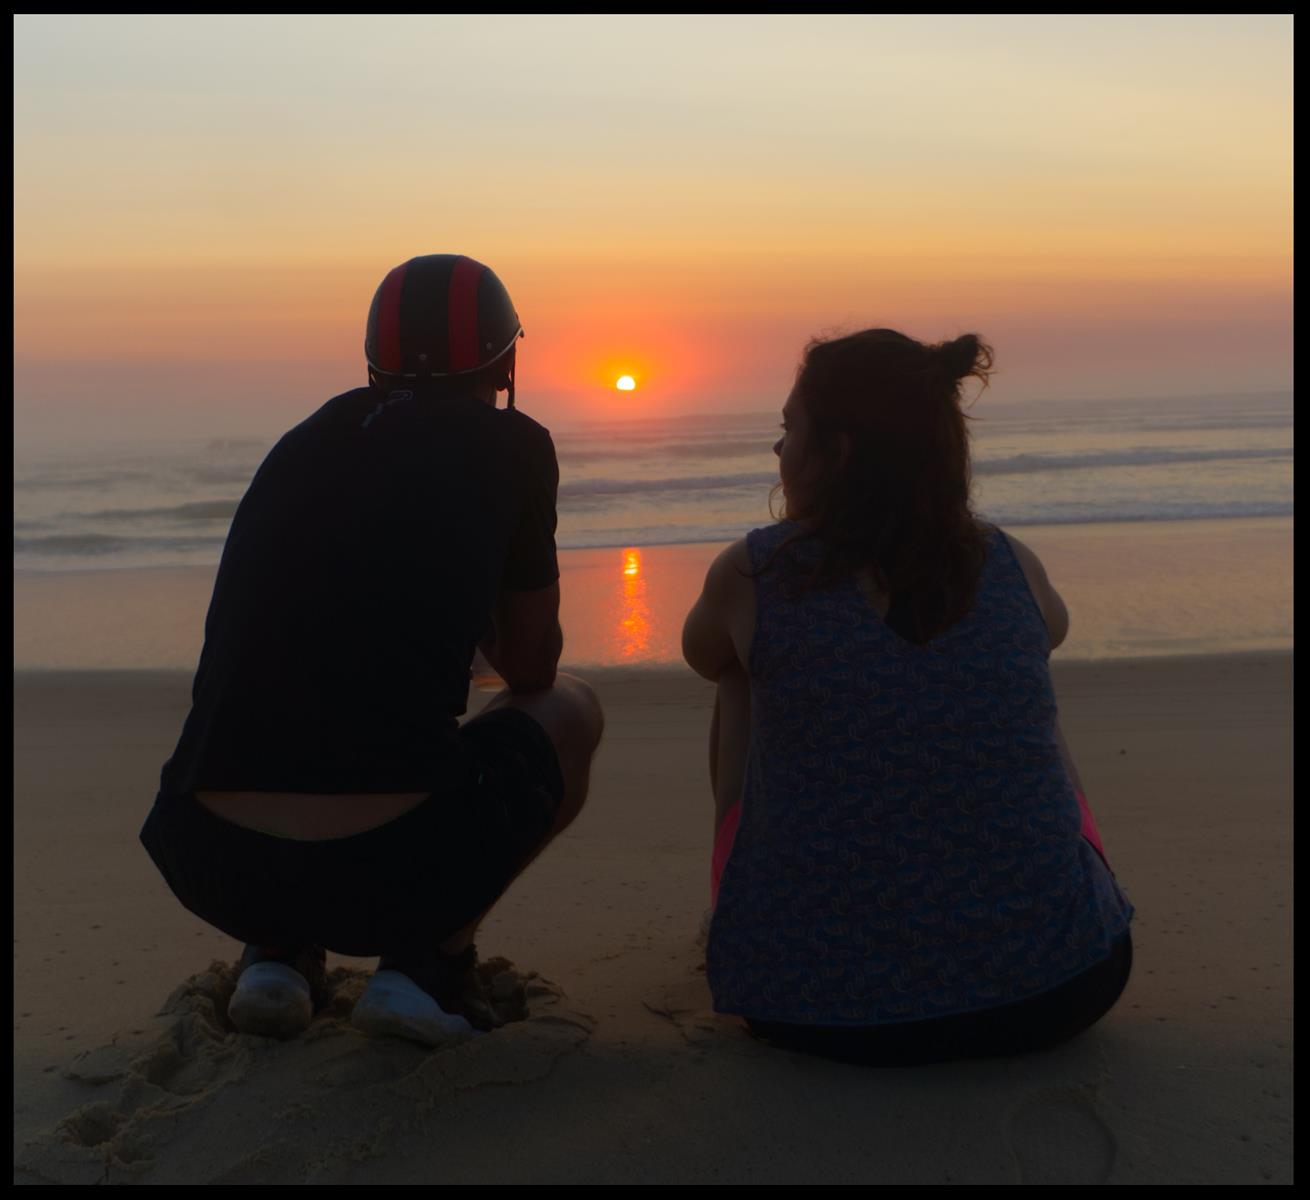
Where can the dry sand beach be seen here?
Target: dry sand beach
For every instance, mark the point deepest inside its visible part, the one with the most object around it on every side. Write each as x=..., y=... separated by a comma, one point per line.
x=126, y=1072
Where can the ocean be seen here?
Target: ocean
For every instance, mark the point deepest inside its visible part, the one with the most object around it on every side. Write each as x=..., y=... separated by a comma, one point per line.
x=1166, y=525
x=701, y=479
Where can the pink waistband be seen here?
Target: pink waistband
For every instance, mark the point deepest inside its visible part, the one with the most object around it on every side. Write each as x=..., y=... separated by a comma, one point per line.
x=1089, y=827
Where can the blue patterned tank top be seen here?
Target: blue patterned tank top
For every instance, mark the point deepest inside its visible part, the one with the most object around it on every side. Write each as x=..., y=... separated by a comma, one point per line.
x=910, y=841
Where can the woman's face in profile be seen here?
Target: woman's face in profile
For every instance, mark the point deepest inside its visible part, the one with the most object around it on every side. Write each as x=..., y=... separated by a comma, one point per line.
x=790, y=449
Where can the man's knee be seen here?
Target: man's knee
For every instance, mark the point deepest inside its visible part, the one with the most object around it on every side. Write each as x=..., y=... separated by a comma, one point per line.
x=584, y=709
x=569, y=711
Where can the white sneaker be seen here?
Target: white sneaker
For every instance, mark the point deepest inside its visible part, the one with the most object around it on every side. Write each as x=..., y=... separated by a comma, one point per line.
x=273, y=1000
x=393, y=1004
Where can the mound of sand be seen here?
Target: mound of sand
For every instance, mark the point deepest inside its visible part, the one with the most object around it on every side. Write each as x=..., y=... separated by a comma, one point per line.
x=236, y=1109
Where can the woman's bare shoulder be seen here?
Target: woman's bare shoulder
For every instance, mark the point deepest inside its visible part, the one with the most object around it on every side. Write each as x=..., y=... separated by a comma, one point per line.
x=1027, y=556
x=731, y=566
x=739, y=555
x=1048, y=599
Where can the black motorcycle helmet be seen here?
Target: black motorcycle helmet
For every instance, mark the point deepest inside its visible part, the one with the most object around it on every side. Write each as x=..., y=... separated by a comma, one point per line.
x=439, y=316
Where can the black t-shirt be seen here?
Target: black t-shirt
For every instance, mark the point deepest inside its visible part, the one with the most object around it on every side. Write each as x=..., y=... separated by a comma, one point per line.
x=360, y=572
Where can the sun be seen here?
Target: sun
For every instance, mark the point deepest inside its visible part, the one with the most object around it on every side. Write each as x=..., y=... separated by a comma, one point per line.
x=626, y=383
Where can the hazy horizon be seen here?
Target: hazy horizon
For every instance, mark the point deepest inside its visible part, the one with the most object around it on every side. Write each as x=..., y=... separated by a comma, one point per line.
x=30, y=443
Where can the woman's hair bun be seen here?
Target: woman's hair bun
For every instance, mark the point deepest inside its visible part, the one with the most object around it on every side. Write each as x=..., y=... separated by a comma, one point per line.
x=962, y=356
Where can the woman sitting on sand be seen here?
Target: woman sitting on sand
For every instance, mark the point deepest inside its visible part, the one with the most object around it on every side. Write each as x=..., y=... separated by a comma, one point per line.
x=909, y=872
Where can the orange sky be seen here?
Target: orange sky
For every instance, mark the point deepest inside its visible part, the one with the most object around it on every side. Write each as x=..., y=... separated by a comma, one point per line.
x=203, y=212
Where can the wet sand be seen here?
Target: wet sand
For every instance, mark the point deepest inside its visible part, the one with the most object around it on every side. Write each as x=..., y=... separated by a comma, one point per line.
x=1136, y=589
x=622, y=1073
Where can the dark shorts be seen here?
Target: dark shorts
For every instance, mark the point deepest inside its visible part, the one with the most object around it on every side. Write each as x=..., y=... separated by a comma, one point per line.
x=399, y=889
x=1038, y=1023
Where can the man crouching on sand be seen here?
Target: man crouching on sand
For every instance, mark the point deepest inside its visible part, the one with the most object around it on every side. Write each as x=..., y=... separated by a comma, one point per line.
x=323, y=795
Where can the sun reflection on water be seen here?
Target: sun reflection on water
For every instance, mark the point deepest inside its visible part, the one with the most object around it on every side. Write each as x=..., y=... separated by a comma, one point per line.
x=634, y=628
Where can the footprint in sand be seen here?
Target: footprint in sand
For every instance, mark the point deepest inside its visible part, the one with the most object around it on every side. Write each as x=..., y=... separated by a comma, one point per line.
x=93, y=1125
x=97, y=1126
x=1058, y=1137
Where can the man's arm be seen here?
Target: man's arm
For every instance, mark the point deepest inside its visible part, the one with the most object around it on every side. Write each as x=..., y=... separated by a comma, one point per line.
x=526, y=641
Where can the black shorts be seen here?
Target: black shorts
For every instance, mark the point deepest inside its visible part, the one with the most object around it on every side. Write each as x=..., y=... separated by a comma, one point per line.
x=1038, y=1023
x=399, y=889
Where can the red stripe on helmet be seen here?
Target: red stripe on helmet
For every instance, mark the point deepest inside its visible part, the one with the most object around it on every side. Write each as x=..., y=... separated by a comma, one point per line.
x=387, y=336
x=463, y=310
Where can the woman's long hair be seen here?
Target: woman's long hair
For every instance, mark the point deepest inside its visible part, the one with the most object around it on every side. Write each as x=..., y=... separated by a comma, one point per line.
x=897, y=501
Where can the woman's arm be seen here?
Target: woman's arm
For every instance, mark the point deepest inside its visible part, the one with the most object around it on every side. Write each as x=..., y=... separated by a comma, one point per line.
x=716, y=644
x=714, y=749
x=721, y=616
x=730, y=735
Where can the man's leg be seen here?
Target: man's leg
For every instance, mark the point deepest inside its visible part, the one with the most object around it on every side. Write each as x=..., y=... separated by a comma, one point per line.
x=571, y=715
x=400, y=998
